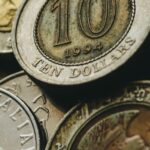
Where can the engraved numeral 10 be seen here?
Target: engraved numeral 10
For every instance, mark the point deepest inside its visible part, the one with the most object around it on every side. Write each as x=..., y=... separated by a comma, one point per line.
x=109, y=9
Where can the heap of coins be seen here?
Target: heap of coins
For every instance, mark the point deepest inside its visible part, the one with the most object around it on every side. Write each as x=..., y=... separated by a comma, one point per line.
x=66, y=82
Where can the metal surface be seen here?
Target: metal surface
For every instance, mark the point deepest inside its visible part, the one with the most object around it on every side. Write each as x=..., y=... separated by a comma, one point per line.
x=120, y=122
x=40, y=104
x=73, y=42
x=18, y=129
x=8, y=10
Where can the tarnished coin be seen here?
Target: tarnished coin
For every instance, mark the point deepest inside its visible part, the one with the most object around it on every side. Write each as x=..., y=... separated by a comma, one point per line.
x=41, y=105
x=75, y=41
x=121, y=122
x=18, y=129
x=8, y=10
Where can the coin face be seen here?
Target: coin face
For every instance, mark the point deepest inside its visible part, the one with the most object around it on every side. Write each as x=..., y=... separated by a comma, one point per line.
x=41, y=105
x=8, y=10
x=18, y=127
x=120, y=122
x=73, y=42
x=127, y=128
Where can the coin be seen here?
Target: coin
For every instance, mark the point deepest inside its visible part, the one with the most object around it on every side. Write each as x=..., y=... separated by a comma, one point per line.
x=73, y=42
x=18, y=127
x=41, y=105
x=8, y=10
x=120, y=122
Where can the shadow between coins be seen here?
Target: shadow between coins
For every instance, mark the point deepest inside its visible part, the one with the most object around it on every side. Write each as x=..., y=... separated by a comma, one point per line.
x=137, y=68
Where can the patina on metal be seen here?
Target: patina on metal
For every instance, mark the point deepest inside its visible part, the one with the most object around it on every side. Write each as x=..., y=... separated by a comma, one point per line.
x=8, y=10
x=120, y=122
x=18, y=127
x=73, y=42
x=47, y=113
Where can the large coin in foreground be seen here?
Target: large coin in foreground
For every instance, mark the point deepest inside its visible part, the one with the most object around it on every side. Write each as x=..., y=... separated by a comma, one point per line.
x=18, y=129
x=75, y=41
x=120, y=122
x=8, y=10
x=41, y=105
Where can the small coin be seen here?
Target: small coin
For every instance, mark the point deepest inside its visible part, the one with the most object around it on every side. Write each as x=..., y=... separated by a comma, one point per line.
x=8, y=10
x=73, y=42
x=18, y=128
x=41, y=105
x=120, y=122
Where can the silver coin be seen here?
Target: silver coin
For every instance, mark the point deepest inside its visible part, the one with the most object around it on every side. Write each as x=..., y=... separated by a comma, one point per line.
x=8, y=10
x=98, y=124
x=18, y=128
x=73, y=42
x=41, y=105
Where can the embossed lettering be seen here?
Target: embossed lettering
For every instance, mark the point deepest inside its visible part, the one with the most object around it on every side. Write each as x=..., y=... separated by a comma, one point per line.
x=25, y=138
x=42, y=111
x=84, y=19
x=59, y=146
x=23, y=125
x=14, y=88
x=37, y=62
x=62, y=35
x=56, y=72
x=114, y=57
x=130, y=41
x=30, y=82
x=5, y=105
x=46, y=68
x=40, y=97
x=75, y=73
x=108, y=17
x=46, y=114
x=52, y=71
x=12, y=116
x=98, y=66
x=87, y=71
x=85, y=50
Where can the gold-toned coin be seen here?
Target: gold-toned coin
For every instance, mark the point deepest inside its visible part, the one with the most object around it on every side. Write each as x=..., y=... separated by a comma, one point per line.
x=8, y=10
x=121, y=122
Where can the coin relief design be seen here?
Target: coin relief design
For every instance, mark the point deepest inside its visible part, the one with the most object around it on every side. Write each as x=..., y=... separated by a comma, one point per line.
x=126, y=130
x=76, y=41
x=8, y=10
x=18, y=127
x=82, y=30
x=41, y=105
x=120, y=122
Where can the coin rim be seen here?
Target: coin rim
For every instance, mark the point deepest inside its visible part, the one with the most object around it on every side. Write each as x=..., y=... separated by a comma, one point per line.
x=64, y=79
x=101, y=112
x=10, y=77
x=28, y=113
x=102, y=108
